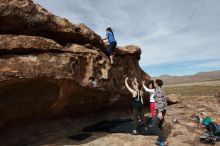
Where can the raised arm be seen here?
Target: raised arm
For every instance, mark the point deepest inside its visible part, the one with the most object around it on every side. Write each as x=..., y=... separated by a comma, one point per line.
x=127, y=86
x=105, y=38
x=148, y=90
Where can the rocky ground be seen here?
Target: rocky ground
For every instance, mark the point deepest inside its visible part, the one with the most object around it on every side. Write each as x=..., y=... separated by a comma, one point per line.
x=179, y=127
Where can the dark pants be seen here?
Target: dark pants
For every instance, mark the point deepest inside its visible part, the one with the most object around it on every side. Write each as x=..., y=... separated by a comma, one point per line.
x=162, y=121
x=156, y=127
x=112, y=46
x=138, y=112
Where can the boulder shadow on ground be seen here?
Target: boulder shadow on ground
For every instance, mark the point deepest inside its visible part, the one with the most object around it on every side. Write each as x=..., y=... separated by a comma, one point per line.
x=119, y=125
x=80, y=136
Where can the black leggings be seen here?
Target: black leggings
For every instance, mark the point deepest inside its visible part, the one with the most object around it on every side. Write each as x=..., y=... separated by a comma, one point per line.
x=138, y=112
x=162, y=121
x=112, y=46
x=156, y=127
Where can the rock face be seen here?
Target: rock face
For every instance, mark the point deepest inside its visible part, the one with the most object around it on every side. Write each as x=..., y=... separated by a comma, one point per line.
x=25, y=17
x=50, y=67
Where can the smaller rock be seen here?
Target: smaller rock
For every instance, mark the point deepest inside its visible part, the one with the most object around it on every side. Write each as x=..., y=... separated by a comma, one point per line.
x=177, y=133
x=176, y=121
x=181, y=106
x=217, y=94
x=201, y=110
x=173, y=98
x=205, y=113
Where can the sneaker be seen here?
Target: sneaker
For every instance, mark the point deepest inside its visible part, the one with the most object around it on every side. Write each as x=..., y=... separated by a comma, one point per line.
x=146, y=128
x=134, y=132
x=164, y=143
x=160, y=143
x=157, y=142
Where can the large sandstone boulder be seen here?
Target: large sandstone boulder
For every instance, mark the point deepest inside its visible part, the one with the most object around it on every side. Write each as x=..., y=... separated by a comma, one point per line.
x=50, y=67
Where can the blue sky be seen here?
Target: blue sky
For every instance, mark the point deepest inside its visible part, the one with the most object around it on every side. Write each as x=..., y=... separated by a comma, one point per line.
x=177, y=37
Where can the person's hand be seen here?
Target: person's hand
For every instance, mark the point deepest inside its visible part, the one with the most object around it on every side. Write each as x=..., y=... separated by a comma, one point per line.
x=143, y=82
x=160, y=116
x=126, y=78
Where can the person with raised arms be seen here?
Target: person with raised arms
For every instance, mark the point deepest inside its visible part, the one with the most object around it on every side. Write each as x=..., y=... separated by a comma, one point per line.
x=137, y=102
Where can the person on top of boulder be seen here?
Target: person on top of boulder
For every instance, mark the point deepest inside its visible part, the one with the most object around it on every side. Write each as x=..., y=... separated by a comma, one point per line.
x=112, y=43
x=137, y=102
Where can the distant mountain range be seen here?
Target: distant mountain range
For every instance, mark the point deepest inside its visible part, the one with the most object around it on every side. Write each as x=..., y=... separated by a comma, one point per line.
x=199, y=77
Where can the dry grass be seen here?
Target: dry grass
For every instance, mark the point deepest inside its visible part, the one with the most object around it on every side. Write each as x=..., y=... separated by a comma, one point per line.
x=194, y=89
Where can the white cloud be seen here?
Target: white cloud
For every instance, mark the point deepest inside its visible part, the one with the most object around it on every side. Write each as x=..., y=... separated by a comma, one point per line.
x=166, y=30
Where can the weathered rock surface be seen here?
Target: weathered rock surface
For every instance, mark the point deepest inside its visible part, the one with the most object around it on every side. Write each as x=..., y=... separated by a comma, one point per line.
x=25, y=17
x=50, y=67
x=21, y=44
